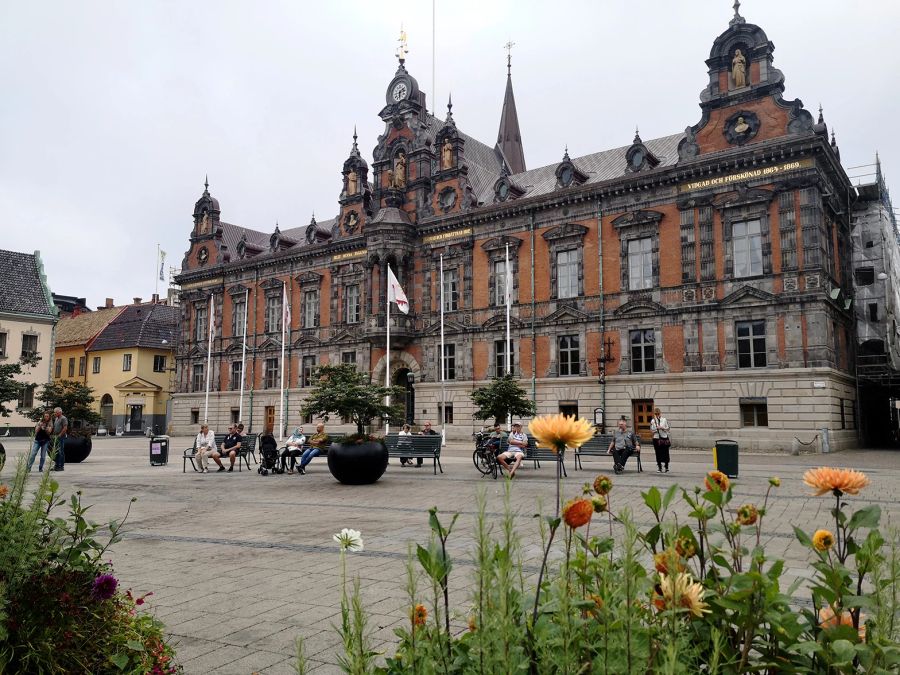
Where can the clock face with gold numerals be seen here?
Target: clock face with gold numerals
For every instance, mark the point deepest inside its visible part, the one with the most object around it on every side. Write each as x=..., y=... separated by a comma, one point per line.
x=399, y=92
x=203, y=255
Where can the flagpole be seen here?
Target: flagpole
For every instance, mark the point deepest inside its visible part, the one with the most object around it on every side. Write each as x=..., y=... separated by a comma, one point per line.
x=508, y=343
x=387, y=353
x=443, y=373
x=155, y=273
x=212, y=319
x=284, y=316
x=244, y=355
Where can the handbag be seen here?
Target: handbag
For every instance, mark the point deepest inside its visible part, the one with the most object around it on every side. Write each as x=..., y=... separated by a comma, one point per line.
x=664, y=442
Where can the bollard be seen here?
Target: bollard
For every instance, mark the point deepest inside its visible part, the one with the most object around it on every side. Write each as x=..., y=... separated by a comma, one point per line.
x=795, y=446
x=826, y=446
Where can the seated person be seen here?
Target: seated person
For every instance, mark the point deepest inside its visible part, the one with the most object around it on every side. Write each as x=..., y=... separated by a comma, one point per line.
x=622, y=446
x=318, y=442
x=230, y=446
x=495, y=440
x=518, y=442
x=401, y=443
x=426, y=431
x=293, y=448
x=205, y=446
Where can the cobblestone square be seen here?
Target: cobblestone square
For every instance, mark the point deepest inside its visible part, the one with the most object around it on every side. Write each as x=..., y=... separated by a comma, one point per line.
x=240, y=564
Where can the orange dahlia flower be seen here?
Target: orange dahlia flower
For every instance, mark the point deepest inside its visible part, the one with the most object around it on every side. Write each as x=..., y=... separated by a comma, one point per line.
x=578, y=512
x=473, y=624
x=3, y=491
x=747, y=514
x=719, y=479
x=838, y=481
x=684, y=546
x=603, y=484
x=680, y=591
x=558, y=432
x=419, y=614
x=827, y=619
x=667, y=561
x=823, y=540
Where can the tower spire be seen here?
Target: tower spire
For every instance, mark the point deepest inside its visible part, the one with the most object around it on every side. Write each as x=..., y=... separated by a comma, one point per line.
x=737, y=18
x=509, y=138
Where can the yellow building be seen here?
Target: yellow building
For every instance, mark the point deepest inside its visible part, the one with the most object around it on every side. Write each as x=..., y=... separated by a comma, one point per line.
x=74, y=334
x=129, y=366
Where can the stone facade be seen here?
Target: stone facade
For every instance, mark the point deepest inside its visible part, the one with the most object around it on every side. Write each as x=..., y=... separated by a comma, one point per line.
x=705, y=272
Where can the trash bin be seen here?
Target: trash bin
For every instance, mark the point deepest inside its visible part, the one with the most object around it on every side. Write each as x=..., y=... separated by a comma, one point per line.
x=159, y=450
x=725, y=457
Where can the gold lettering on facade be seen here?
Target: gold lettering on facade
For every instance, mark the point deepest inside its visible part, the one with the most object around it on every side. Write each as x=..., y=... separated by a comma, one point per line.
x=443, y=236
x=201, y=284
x=347, y=256
x=751, y=174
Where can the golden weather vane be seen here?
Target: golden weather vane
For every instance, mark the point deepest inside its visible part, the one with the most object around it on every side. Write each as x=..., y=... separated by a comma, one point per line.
x=402, y=49
x=508, y=47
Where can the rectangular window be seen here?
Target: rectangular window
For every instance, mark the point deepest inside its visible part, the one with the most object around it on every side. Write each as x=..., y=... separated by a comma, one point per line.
x=236, y=373
x=746, y=243
x=500, y=282
x=271, y=374
x=451, y=290
x=569, y=355
x=450, y=362
x=865, y=276
x=351, y=303
x=199, y=384
x=2, y=345
x=72, y=367
x=200, y=325
x=310, y=309
x=29, y=345
x=640, y=264
x=754, y=413
x=787, y=224
x=567, y=274
x=643, y=351
x=348, y=357
x=195, y=416
x=26, y=396
x=58, y=370
x=873, y=311
x=273, y=313
x=159, y=363
x=446, y=414
x=500, y=357
x=238, y=315
x=96, y=368
x=126, y=362
x=707, y=243
x=751, y=344
x=688, y=249
x=307, y=371
x=234, y=415
x=843, y=416
x=82, y=366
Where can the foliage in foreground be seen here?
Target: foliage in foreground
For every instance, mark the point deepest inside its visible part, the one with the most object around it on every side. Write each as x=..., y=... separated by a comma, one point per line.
x=61, y=608
x=675, y=598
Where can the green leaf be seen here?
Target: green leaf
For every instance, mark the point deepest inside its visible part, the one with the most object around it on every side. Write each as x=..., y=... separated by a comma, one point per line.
x=653, y=499
x=843, y=651
x=135, y=645
x=670, y=495
x=120, y=661
x=652, y=536
x=868, y=517
x=802, y=537
x=424, y=559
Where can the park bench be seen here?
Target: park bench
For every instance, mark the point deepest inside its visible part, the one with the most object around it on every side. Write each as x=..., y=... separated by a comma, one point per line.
x=537, y=455
x=409, y=447
x=597, y=447
x=247, y=450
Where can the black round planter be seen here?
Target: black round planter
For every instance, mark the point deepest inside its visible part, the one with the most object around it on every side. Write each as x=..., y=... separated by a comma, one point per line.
x=359, y=463
x=77, y=448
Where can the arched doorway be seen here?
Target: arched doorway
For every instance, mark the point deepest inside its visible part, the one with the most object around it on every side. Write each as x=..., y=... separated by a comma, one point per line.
x=402, y=378
x=106, y=411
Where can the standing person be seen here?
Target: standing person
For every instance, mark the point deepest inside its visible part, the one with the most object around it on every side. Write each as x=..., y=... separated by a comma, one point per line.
x=42, y=431
x=293, y=449
x=622, y=446
x=518, y=443
x=58, y=439
x=659, y=425
x=317, y=442
x=230, y=447
x=205, y=446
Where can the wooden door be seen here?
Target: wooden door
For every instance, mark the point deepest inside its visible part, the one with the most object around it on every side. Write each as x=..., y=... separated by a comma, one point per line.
x=270, y=418
x=641, y=414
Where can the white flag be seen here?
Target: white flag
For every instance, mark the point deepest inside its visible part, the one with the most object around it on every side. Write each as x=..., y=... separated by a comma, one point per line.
x=396, y=294
x=286, y=309
x=162, y=261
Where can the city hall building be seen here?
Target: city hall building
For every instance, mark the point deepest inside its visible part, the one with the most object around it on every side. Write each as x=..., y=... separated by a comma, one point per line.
x=705, y=272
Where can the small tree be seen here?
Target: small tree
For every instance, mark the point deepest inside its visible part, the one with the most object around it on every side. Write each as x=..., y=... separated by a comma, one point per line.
x=502, y=397
x=9, y=386
x=344, y=391
x=75, y=399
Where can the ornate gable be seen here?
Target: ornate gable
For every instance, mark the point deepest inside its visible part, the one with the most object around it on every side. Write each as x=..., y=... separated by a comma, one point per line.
x=748, y=294
x=640, y=306
x=564, y=231
x=499, y=320
x=566, y=313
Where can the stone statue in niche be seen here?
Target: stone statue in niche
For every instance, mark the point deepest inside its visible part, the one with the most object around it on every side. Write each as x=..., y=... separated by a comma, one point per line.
x=352, y=222
x=741, y=127
x=739, y=69
x=352, y=182
x=204, y=224
x=398, y=179
x=447, y=154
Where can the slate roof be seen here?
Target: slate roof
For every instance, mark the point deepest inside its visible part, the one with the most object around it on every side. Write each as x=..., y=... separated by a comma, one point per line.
x=22, y=290
x=145, y=325
x=259, y=241
x=72, y=331
x=509, y=138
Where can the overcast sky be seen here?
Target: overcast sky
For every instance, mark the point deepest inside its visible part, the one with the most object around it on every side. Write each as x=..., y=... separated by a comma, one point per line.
x=111, y=113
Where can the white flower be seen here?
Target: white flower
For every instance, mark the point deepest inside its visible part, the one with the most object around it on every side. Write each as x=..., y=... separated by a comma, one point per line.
x=349, y=540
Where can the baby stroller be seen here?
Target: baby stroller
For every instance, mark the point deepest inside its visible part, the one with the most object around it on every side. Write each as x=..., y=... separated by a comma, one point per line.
x=268, y=451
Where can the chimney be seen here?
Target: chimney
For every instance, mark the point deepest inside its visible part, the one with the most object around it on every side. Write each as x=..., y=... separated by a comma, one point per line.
x=109, y=303
x=137, y=301
x=155, y=298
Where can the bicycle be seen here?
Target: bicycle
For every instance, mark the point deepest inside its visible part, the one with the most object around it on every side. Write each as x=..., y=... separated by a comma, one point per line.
x=483, y=457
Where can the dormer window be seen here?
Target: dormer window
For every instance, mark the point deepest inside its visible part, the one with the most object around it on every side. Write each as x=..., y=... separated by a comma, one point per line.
x=638, y=157
x=505, y=189
x=567, y=174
